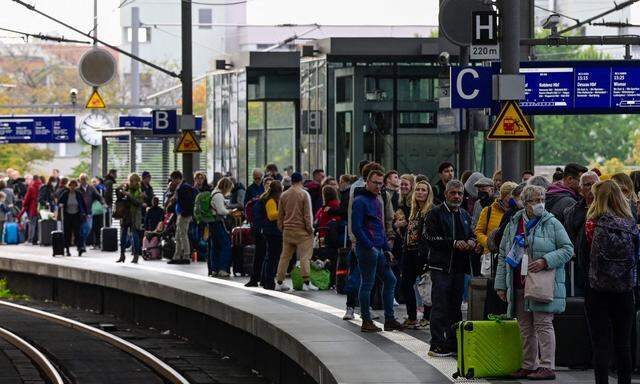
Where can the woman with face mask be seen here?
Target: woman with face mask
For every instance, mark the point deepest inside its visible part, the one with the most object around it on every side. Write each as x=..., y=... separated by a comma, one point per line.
x=543, y=245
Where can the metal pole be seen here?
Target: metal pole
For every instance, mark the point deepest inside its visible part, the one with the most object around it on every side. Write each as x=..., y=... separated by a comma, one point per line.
x=187, y=85
x=466, y=135
x=95, y=150
x=135, y=48
x=511, y=150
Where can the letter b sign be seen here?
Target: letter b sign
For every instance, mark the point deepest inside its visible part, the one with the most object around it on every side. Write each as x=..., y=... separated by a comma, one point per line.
x=165, y=122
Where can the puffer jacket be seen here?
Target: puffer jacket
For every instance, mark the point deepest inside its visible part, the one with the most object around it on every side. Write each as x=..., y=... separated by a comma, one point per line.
x=550, y=241
x=485, y=227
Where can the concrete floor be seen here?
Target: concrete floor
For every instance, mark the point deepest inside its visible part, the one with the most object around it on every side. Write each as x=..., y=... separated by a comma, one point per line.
x=414, y=341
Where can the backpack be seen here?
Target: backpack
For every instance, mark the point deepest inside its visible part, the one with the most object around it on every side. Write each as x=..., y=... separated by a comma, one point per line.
x=248, y=209
x=614, y=254
x=202, y=211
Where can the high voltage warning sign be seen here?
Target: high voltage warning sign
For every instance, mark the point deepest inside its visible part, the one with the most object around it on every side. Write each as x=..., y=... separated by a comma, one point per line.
x=95, y=101
x=511, y=125
x=188, y=143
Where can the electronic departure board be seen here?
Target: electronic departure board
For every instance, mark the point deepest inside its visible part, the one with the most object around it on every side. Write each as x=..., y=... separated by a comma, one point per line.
x=580, y=87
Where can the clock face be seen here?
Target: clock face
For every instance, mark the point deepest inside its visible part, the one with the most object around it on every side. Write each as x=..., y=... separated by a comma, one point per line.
x=89, y=128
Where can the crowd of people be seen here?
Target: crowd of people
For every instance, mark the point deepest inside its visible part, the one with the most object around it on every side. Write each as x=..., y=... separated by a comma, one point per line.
x=394, y=231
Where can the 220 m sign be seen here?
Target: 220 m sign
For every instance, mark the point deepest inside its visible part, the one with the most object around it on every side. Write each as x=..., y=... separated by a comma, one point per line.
x=484, y=52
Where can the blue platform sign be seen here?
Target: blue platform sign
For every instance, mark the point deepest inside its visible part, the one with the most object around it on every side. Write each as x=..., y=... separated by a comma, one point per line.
x=560, y=87
x=37, y=129
x=147, y=122
x=471, y=87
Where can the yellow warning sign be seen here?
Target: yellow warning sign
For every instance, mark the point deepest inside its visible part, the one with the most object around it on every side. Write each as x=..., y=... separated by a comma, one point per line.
x=511, y=125
x=95, y=101
x=188, y=143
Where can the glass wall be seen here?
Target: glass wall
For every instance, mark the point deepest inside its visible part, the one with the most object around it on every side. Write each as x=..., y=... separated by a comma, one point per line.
x=313, y=107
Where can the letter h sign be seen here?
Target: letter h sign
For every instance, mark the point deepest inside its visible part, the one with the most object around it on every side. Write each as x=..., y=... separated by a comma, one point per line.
x=485, y=28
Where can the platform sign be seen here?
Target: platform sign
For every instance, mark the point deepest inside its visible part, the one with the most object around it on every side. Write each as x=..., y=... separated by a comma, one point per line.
x=471, y=87
x=484, y=39
x=511, y=125
x=556, y=88
x=37, y=129
x=146, y=122
x=188, y=143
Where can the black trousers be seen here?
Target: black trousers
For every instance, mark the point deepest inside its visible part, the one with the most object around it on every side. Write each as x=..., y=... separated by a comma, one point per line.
x=98, y=223
x=610, y=318
x=412, y=263
x=260, y=252
x=72, y=225
x=446, y=299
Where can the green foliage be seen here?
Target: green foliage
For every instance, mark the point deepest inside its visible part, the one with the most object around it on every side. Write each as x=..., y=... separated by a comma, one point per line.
x=84, y=166
x=22, y=157
x=584, y=138
x=6, y=294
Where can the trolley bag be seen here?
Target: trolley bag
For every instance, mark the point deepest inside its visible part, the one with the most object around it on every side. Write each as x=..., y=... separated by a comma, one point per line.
x=241, y=238
x=342, y=270
x=108, y=237
x=11, y=233
x=248, y=257
x=491, y=348
x=45, y=227
x=573, y=345
x=57, y=239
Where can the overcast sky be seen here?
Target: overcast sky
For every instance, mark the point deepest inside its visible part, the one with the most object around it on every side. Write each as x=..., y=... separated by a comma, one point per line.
x=79, y=13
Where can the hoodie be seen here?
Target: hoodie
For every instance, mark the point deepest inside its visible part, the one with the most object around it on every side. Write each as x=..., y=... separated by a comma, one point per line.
x=558, y=199
x=367, y=220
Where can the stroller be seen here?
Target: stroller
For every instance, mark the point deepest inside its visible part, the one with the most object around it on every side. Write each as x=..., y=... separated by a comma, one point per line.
x=152, y=243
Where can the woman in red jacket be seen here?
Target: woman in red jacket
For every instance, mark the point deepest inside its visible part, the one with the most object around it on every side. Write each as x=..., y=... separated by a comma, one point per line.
x=330, y=212
x=30, y=206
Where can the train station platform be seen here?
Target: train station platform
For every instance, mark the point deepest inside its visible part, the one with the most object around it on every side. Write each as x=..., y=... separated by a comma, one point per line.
x=307, y=327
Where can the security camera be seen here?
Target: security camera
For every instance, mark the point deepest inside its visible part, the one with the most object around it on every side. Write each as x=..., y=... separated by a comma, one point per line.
x=552, y=23
x=443, y=58
x=73, y=94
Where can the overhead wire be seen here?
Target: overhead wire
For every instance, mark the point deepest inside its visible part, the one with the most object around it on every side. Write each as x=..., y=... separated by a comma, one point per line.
x=40, y=36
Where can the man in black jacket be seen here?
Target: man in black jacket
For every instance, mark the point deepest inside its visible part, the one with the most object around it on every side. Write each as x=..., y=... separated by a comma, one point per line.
x=574, y=219
x=109, y=182
x=185, y=197
x=452, y=243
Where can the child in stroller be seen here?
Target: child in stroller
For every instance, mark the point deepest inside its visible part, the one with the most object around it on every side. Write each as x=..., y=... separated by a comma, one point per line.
x=151, y=243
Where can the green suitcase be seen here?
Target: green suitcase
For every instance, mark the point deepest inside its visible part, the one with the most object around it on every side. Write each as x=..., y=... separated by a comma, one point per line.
x=490, y=348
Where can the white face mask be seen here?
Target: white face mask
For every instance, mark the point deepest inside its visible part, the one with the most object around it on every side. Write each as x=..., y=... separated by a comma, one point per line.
x=538, y=209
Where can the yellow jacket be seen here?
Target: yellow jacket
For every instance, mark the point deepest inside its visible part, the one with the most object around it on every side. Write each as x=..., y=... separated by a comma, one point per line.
x=484, y=228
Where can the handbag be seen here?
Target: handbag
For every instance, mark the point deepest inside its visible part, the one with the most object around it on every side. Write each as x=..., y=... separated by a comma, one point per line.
x=424, y=288
x=486, y=261
x=539, y=286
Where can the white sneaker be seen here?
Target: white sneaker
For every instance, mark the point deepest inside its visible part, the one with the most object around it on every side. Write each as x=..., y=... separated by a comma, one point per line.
x=223, y=274
x=395, y=303
x=309, y=287
x=349, y=315
x=282, y=287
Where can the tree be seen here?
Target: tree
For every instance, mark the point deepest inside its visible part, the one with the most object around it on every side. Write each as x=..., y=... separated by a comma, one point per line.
x=22, y=157
x=561, y=139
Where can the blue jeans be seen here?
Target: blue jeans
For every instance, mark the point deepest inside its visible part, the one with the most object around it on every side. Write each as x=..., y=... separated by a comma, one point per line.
x=370, y=262
x=85, y=228
x=219, y=248
x=270, y=263
x=136, y=244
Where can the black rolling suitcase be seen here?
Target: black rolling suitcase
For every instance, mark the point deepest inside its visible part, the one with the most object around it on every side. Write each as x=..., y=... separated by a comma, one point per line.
x=573, y=344
x=45, y=228
x=57, y=239
x=108, y=237
x=342, y=270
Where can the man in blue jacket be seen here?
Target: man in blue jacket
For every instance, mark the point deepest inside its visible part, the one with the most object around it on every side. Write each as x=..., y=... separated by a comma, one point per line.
x=451, y=242
x=185, y=197
x=367, y=225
